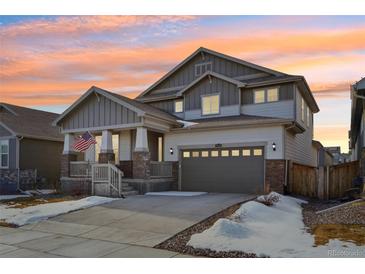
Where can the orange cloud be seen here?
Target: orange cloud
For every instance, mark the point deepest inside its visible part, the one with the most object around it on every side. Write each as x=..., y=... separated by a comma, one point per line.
x=333, y=135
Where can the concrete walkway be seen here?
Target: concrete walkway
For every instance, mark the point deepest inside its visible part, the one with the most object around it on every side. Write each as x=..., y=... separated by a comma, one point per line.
x=126, y=228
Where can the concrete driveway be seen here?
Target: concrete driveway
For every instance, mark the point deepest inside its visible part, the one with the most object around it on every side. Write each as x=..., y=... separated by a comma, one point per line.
x=124, y=228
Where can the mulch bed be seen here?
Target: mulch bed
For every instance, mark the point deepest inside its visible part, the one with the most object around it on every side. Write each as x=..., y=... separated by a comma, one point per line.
x=178, y=243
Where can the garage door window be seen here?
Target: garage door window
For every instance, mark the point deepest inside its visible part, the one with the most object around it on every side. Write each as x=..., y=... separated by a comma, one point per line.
x=205, y=154
x=225, y=153
x=257, y=152
x=186, y=154
x=214, y=153
x=246, y=152
x=235, y=153
x=195, y=154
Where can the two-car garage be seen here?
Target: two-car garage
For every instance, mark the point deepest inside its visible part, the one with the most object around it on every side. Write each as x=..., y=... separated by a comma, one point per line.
x=230, y=170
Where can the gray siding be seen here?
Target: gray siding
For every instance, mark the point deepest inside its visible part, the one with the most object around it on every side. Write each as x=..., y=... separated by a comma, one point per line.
x=298, y=148
x=186, y=73
x=97, y=113
x=224, y=111
x=12, y=153
x=4, y=132
x=286, y=92
x=229, y=93
x=167, y=105
x=47, y=160
x=281, y=109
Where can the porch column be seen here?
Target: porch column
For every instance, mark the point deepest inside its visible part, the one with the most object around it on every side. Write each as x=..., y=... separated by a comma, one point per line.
x=106, y=149
x=68, y=155
x=141, y=156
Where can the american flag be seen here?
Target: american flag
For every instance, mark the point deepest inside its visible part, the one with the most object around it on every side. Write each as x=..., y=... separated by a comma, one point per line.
x=83, y=142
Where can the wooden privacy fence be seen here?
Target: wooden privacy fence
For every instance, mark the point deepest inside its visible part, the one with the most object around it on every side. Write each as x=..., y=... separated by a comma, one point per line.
x=329, y=182
x=303, y=180
x=340, y=179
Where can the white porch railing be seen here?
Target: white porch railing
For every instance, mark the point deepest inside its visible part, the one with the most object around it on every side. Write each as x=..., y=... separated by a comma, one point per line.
x=107, y=173
x=80, y=169
x=161, y=169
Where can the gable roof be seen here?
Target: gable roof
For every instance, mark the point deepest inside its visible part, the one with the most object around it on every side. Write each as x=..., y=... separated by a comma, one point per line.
x=214, y=74
x=203, y=50
x=31, y=123
x=138, y=107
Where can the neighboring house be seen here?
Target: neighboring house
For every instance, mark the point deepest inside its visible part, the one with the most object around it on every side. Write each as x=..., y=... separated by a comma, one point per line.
x=338, y=157
x=214, y=122
x=324, y=156
x=28, y=141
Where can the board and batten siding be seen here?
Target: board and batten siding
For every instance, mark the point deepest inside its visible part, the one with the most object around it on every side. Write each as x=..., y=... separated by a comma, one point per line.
x=186, y=74
x=167, y=105
x=97, y=112
x=229, y=93
x=286, y=92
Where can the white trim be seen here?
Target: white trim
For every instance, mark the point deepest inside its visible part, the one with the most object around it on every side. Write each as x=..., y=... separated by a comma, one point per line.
x=8, y=153
x=210, y=95
x=182, y=108
x=200, y=66
x=8, y=128
x=116, y=127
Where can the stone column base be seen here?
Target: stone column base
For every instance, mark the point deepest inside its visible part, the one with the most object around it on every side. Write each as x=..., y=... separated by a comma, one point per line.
x=275, y=176
x=141, y=164
x=65, y=164
x=106, y=157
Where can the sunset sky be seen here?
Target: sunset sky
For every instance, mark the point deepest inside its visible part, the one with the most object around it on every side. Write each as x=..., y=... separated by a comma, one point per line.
x=46, y=62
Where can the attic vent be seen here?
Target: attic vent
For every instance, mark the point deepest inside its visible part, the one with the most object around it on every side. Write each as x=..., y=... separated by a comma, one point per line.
x=202, y=68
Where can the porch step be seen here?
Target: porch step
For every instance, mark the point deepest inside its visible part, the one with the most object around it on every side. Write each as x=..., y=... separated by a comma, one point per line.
x=130, y=193
x=127, y=188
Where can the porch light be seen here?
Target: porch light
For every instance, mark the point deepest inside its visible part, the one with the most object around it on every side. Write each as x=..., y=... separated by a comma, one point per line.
x=171, y=150
x=273, y=146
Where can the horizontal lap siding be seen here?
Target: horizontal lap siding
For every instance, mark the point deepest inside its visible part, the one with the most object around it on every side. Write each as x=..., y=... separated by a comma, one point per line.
x=186, y=74
x=281, y=109
x=299, y=149
x=98, y=113
x=229, y=94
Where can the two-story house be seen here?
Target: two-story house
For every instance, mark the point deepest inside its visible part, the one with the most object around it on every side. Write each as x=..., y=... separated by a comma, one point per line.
x=214, y=122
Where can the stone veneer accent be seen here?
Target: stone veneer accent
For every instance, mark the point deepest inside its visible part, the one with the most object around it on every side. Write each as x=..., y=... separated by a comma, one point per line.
x=106, y=157
x=275, y=176
x=127, y=168
x=141, y=164
x=65, y=164
x=76, y=186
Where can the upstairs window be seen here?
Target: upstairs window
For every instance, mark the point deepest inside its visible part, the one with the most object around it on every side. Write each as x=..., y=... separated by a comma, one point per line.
x=202, y=68
x=4, y=153
x=266, y=95
x=210, y=104
x=308, y=116
x=303, y=109
x=259, y=96
x=179, y=106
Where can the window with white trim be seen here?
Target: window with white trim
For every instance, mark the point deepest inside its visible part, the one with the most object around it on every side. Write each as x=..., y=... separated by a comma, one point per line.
x=308, y=116
x=266, y=95
x=4, y=153
x=210, y=104
x=303, y=109
x=179, y=106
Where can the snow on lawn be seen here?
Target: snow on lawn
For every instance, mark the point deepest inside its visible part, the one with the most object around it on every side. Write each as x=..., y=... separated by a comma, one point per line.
x=10, y=197
x=32, y=214
x=186, y=123
x=176, y=193
x=275, y=231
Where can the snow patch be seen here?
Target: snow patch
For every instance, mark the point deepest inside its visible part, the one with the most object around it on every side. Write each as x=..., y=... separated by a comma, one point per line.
x=32, y=214
x=10, y=197
x=176, y=193
x=275, y=231
x=186, y=123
